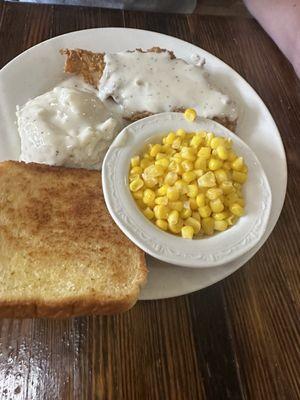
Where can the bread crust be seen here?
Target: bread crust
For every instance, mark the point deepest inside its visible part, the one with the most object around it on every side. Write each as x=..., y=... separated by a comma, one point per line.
x=55, y=219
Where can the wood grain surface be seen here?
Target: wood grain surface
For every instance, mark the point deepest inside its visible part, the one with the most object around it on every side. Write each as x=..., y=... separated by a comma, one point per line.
x=238, y=339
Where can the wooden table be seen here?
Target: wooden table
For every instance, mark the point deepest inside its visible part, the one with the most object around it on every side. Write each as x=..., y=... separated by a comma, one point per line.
x=238, y=339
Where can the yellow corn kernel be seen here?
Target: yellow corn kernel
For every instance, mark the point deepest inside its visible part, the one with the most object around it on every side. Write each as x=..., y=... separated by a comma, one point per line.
x=161, y=211
x=189, y=176
x=221, y=175
x=214, y=193
x=156, y=148
x=239, y=177
x=138, y=195
x=140, y=204
x=207, y=180
x=136, y=185
x=153, y=171
x=148, y=213
x=177, y=143
x=187, y=165
x=192, y=191
x=237, y=164
x=200, y=199
x=236, y=209
x=222, y=152
x=173, y=193
x=205, y=211
x=163, y=162
x=193, y=204
x=196, y=215
x=220, y=216
x=173, y=217
x=208, y=225
x=194, y=223
x=187, y=232
x=149, y=196
x=232, y=219
x=145, y=163
x=173, y=166
x=181, y=186
x=227, y=165
x=161, y=200
x=209, y=137
x=196, y=140
x=232, y=156
x=201, y=163
x=216, y=206
x=244, y=169
x=171, y=178
x=228, y=143
x=176, y=228
x=181, y=133
x=170, y=138
x=204, y=152
x=150, y=182
x=133, y=177
x=188, y=153
x=185, y=213
x=135, y=161
x=227, y=187
x=162, y=191
x=190, y=114
x=136, y=170
x=217, y=141
x=162, y=224
x=221, y=226
x=176, y=205
x=214, y=164
x=199, y=172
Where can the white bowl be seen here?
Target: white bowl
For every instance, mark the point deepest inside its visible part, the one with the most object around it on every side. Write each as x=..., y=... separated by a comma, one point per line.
x=204, y=252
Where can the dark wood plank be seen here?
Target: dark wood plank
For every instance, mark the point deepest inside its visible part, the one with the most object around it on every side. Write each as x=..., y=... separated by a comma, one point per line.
x=236, y=340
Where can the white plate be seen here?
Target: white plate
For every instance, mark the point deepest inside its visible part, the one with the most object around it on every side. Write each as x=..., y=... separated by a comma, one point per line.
x=205, y=252
x=40, y=68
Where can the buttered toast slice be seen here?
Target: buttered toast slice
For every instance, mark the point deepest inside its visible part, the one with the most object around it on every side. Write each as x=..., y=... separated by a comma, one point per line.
x=61, y=254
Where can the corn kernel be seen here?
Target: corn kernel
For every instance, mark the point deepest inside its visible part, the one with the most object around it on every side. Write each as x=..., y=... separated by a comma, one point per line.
x=193, y=204
x=196, y=215
x=181, y=186
x=150, y=182
x=227, y=187
x=161, y=200
x=232, y=219
x=149, y=196
x=190, y=114
x=187, y=232
x=173, y=193
x=156, y=148
x=220, y=216
x=227, y=165
x=205, y=211
x=221, y=226
x=145, y=163
x=199, y=172
x=222, y=152
x=187, y=165
x=217, y=141
x=136, y=185
x=161, y=212
x=177, y=143
x=148, y=213
x=194, y=223
x=228, y=143
x=237, y=164
x=163, y=162
x=162, y=224
x=170, y=138
x=201, y=163
x=207, y=180
x=185, y=213
x=208, y=225
x=138, y=195
x=204, y=153
x=188, y=153
x=171, y=178
x=214, y=193
x=239, y=177
x=135, y=161
x=189, y=176
x=200, y=199
x=181, y=133
x=176, y=228
x=162, y=191
x=141, y=204
x=133, y=177
x=236, y=209
x=176, y=205
x=216, y=206
x=214, y=164
x=221, y=175
x=136, y=170
x=192, y=191
x=173, y=217
x=196, y=141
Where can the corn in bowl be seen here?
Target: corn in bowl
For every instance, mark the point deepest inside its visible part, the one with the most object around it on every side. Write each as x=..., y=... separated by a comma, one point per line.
x=189, y=184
